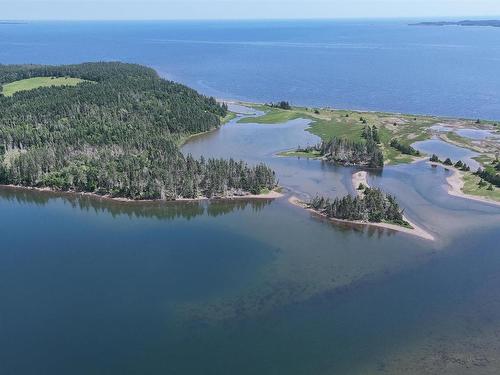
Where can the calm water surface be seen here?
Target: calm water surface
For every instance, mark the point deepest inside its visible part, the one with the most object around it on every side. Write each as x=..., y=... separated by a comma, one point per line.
x=91, y=286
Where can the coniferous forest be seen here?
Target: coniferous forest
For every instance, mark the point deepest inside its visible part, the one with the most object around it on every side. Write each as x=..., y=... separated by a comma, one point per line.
x=115, y=134
x=346, y=152
x=371, y=206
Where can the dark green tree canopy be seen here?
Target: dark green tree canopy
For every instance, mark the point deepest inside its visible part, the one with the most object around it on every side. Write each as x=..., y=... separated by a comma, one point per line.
x=116, y=133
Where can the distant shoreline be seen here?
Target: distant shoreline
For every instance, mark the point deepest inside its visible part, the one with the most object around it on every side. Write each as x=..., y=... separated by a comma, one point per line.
x=477, y=23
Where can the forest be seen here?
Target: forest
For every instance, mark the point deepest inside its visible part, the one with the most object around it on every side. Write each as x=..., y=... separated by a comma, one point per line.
x=116, y=134
x=373, y=205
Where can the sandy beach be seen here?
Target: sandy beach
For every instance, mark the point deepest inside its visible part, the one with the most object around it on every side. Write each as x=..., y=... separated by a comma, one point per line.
x=359, y=178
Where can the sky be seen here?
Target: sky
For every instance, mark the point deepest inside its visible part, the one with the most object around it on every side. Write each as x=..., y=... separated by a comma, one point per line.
x=242, y=9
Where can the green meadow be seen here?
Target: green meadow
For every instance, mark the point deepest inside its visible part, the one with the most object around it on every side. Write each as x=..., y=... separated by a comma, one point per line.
x=10, y=89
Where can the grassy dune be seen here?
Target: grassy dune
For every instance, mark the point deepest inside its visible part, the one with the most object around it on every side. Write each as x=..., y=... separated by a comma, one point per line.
x=34, y=83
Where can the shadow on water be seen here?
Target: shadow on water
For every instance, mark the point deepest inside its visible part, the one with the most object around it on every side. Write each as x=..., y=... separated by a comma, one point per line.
x=158, y=210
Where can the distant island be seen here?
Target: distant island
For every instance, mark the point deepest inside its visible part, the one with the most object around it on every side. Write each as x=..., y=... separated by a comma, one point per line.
x=114, y=130
x=490, y=23
x=12, y=23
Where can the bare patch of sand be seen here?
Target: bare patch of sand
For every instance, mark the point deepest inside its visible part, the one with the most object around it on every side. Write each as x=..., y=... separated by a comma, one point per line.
x=359, y=178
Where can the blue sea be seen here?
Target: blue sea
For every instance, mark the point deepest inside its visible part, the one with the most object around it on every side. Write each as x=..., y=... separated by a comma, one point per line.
x=370, y=65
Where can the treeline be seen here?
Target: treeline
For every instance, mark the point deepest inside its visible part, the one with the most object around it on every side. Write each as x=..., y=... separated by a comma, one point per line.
x=372, y=206
x=459, y=164
x=404, y=149
x=116, y=134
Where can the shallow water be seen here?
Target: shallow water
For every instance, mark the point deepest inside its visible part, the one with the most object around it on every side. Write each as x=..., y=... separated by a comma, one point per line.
x=446, y=150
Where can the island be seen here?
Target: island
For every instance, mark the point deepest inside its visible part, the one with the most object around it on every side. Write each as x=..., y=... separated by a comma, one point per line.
x=371, y=206
x=114, y=130
x=488, y=23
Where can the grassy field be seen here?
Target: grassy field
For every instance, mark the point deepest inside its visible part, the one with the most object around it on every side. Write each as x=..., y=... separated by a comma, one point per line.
x=471, y=186
x=34, y=83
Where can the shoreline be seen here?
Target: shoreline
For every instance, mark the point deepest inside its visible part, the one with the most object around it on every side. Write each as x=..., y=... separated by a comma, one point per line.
x=361, y=110
x=273, y=194
x=456, y=184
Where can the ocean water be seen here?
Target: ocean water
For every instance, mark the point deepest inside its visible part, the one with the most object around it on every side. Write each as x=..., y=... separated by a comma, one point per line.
x=373, y=65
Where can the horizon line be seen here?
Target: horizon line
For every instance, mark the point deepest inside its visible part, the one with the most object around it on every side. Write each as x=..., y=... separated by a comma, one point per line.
x=463, y=17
